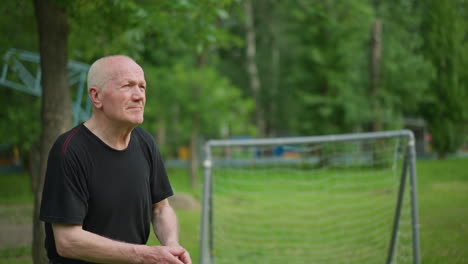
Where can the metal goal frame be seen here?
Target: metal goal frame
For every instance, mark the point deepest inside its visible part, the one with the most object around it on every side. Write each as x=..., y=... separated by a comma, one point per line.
x=409, y=166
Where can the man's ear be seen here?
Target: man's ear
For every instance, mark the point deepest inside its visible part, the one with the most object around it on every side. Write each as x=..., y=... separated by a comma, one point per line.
x=95, y=94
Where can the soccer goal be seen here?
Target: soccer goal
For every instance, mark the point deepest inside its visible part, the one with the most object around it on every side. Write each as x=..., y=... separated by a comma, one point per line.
x=327, y=199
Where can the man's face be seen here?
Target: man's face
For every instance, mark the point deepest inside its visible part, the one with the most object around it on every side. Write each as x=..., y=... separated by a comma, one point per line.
x=123, y=98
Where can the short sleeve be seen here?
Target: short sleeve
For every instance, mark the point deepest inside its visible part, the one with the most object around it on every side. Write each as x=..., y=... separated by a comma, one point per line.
x=65, y=194
x=160, y=185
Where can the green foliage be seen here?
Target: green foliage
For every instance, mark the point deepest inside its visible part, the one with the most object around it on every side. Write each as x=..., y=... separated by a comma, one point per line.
x=20, y=112
x=20, y=117
x=406, y=73
x=183, y=91
x=329, y=64
x=18, y=26
x=161, y=36
x=148, y=31
x=105, y=27
x=190, y=26
x=445, y=45
x=313, y=62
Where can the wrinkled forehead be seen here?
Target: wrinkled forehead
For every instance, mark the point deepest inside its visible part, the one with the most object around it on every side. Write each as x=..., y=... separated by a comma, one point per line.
x=114, y=68
x=120, y=70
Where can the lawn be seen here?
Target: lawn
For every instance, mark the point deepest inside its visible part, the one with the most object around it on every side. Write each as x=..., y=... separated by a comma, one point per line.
x=443, y=213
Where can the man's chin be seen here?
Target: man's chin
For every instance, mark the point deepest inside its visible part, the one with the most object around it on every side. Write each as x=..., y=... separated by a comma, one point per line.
x=139, y=121
x=135, y=121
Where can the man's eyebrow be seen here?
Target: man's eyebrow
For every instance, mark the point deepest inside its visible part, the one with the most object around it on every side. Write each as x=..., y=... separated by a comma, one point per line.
x=131, y=81
x=126, y=81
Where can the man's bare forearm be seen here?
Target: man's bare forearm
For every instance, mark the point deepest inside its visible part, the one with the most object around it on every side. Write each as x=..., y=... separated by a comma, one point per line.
x=166, y=228
x=165, y=224
x=74, y=242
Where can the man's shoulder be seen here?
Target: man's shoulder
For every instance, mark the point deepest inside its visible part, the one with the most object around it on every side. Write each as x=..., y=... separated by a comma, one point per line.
x=146, y=140
x=142, y=133
x=68, y=138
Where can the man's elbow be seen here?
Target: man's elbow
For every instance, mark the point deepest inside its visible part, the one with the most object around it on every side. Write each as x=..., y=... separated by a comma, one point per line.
x=161, y=207
x=62, y=249
x=66, y=242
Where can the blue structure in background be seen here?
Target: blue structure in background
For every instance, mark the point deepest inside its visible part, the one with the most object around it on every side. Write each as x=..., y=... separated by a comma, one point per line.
x=278, y=151
x=21, y=71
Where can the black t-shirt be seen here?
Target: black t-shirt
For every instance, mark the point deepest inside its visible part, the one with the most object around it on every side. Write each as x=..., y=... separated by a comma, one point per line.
x=109, y=192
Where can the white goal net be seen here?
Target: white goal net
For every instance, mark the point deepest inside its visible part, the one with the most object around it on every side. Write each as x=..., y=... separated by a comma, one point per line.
x=327, y=199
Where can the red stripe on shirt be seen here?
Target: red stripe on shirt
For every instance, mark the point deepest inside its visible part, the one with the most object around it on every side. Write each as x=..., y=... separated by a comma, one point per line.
x=67, y=141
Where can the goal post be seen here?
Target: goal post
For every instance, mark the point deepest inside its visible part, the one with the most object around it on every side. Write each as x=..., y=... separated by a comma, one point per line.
x=321, y=199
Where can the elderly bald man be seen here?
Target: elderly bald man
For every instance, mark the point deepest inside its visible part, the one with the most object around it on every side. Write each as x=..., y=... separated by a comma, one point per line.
x=106, y=181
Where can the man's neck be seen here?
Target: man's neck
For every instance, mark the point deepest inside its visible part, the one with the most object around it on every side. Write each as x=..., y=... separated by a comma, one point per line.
x=117, y=137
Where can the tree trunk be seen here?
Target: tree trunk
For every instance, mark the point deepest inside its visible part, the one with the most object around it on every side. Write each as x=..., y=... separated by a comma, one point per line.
x=195, y=132
x=275, y=72
x=374, y=75
x=161, y=134
x=56, y=103
x=252, y=68
x=193, y=166
x=374, y=70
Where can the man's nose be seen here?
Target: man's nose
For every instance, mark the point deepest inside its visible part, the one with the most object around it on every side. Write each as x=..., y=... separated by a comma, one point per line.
x=138, y=93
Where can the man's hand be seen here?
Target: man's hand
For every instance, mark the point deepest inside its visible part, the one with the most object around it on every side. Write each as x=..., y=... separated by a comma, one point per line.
x=185, y=256
x=166, y=229
x=165, y=255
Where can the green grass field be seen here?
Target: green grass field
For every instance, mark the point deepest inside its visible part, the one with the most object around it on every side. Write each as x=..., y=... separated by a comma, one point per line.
x=443, y=213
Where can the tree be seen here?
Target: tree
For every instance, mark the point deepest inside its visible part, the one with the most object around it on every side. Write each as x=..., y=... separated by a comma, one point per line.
x=56, y=105
x=445, y=45
x=20, y=124
x=252, y=69
x=118, y=29
x=186, y=29
x=183, y=29
x=328, y=69
x=404, y=72
x=374, y=70
x=22, y=32
x=220, y=109
x=260, y=66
